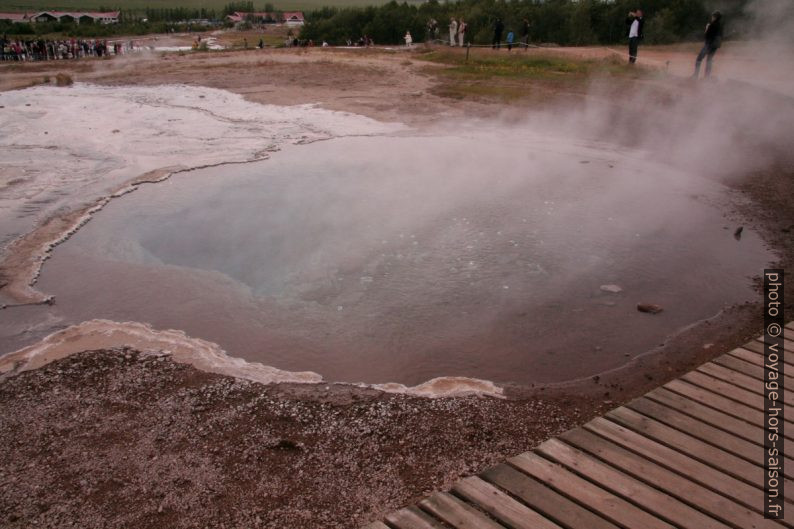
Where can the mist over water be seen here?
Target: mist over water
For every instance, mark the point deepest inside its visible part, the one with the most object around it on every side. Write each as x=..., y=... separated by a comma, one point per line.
x=405, y=258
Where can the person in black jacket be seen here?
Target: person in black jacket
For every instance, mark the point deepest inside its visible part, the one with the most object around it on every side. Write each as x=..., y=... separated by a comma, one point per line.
x=634, y=26
x=713, y=40
x=498, y=28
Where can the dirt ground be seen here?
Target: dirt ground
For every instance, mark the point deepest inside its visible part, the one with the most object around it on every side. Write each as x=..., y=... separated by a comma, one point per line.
x=389, y=84
x=126, y=439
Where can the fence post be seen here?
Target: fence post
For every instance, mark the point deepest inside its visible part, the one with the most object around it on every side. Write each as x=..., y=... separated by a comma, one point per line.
x=468, y=46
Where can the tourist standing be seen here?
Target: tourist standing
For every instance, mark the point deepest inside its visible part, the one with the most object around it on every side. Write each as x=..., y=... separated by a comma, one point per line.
x=453, y=31
x=525, y=33
x=498, y=28
x=635, y=23
x=510, y=38
x=408, y=38
x=432, y=30
x=462, y=26
x=713, y=41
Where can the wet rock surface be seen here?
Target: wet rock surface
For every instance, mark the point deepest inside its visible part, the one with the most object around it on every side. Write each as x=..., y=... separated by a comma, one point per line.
x=126, y=439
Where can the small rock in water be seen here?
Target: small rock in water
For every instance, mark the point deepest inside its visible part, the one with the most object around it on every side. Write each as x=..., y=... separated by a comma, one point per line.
x=611, y=288
x=650, y=308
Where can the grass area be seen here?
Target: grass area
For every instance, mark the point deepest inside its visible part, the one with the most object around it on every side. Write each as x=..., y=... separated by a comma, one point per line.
x=272, y=41
x=482, y=91
x=484, y=65
x=509, y=76
x=217, y=5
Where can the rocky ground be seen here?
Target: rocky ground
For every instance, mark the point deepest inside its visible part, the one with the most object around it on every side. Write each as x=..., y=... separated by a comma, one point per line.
x=124, y=439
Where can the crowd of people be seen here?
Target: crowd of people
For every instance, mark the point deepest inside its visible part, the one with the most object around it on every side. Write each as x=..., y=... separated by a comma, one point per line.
x=49, y=50
x=458, y=29
x=635, y=24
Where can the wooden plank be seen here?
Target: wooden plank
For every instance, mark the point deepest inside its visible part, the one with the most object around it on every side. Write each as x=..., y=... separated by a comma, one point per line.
x=734, y=377
x=742, y=366
x=597, y=499
x=758, y=347
x=788, y=345
x=412, y=518
x=688, y=443
x=456, y=513
x=690, y=497
x=499, y=505
x=723, y=404
x=752, y=370
x=732, y=392
x=748, y=450
x=660, y=504
x=724, y=388
x=543, y=499
x=718, y=478
x=689, y=454
x=741, y=380
x=756, y=359
x=708, y=415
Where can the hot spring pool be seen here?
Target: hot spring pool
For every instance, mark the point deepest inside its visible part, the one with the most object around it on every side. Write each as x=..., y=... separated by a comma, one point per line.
x=405, y=258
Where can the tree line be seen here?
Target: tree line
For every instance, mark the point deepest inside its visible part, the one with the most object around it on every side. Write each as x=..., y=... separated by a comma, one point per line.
x=178, y=14
x=563, y=22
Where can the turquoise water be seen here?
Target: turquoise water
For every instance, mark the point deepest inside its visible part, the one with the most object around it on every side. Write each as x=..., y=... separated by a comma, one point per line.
x=401, y=259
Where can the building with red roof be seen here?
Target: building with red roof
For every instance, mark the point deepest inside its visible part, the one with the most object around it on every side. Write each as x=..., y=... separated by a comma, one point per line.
x=77, y=17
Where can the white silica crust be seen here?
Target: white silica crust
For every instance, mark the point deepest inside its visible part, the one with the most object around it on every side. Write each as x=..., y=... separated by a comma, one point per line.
x=63, y=147
x=203, y=355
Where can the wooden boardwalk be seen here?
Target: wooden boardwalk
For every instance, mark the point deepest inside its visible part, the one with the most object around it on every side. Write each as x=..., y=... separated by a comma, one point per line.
x=688, y=454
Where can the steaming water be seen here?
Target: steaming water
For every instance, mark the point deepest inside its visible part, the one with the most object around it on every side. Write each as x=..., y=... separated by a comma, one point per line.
x=404, y=258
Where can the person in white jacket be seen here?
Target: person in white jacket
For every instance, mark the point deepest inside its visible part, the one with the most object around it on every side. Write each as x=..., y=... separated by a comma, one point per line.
x=462, y=32
x=453, y=31
x=408, y=39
